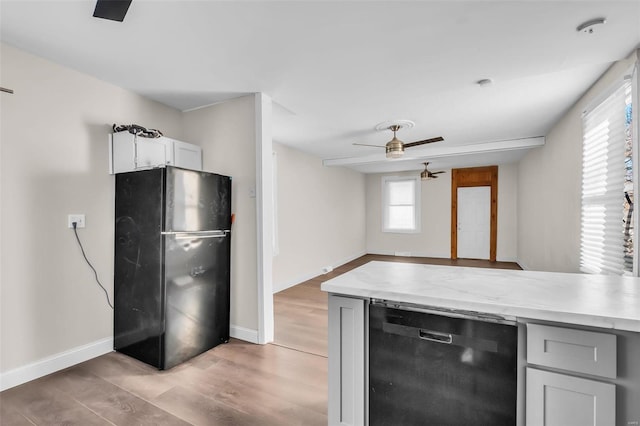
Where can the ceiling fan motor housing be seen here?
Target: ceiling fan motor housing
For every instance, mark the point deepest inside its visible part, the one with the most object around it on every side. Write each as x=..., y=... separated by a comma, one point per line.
x=394, y=148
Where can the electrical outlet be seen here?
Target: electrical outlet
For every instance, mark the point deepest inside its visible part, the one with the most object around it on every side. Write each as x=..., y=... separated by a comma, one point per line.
x=78, y=219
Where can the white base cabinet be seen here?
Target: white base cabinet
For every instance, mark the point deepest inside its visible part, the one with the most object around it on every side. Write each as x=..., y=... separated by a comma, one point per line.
x=347, y=369
x=558, y=399
x=561, y=400
x=573, y=375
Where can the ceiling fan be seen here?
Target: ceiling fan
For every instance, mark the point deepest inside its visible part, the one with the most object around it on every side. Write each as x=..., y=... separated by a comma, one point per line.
x=426, y=174
x=395, y=147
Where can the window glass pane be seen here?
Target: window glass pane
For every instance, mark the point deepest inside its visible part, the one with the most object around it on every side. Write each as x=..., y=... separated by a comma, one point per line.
x=607, y=186
x=401, y=217
x=628, y=203
x=401, y=192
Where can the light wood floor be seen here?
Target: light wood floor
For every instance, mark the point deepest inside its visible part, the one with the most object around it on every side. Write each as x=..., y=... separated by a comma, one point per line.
x=301, y=311
x=239, y=383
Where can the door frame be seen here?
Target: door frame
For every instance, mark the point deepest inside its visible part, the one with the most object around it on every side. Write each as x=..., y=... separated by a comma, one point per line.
x=469, y=177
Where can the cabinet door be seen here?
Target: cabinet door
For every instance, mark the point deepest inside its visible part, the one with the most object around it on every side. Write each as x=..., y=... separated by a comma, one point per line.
x=574, y=350
x=560, y=400
x=187, y=156
x=149, y=153
x=346, y=361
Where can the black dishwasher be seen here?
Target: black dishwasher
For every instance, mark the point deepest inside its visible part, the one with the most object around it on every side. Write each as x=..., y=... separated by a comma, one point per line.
x=437, y=369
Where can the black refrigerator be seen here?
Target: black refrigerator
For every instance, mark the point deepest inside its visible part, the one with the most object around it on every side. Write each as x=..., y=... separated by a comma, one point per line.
x=172, y=262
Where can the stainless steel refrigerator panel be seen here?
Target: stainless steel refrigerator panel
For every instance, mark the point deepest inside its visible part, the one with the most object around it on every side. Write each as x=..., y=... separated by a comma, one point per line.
x=139, y=295
x=197, y=201
x=197, y=292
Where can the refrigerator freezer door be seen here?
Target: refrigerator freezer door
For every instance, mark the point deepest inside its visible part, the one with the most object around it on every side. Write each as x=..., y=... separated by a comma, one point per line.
x=197, y=201
x=197, y=284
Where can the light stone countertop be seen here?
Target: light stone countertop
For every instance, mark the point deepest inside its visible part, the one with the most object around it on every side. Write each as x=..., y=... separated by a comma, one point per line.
x=592, y=300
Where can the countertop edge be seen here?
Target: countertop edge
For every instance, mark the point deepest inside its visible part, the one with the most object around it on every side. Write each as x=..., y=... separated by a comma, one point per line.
x=520, y=312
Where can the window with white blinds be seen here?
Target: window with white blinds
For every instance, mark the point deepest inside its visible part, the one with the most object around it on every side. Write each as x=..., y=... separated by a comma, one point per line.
x=401, y=204
x=607, y=186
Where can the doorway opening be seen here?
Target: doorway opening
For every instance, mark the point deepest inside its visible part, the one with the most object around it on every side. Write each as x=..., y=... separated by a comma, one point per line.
x=472, y=230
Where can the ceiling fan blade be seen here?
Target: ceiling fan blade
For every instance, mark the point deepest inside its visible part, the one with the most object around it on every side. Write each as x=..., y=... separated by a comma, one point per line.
x=365, y=144
x=436, y=173
x=114, y=10
x=410, y=144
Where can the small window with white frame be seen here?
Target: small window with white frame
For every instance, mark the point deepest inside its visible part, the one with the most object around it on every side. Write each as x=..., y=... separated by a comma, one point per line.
x=401, y=204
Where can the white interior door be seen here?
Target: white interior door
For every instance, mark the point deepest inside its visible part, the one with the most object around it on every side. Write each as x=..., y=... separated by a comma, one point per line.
x=474, y=222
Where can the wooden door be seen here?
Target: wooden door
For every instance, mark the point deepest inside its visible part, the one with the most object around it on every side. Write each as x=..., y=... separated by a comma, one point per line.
x=474, y=177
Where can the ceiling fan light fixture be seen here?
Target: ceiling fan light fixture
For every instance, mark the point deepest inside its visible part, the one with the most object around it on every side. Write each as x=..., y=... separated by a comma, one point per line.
x=395, y=148
x=428, y=175
x=395, y=153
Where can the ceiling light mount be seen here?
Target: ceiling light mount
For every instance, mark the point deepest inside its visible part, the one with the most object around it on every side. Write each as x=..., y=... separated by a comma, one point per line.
x=589, y=26
x=400, y=124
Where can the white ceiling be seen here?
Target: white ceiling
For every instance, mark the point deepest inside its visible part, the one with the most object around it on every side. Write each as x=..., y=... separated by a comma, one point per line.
x=336, y=69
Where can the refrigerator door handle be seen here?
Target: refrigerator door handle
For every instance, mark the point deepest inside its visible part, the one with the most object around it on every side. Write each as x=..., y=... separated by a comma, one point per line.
x=198, y=234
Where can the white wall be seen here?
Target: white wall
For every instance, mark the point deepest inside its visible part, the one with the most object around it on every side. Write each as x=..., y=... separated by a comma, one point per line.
x=54, y=162
x=226, y=133
x=435, y=236
x=434, y=240
x=507, y=247
x=549, y=184
x=321, y=214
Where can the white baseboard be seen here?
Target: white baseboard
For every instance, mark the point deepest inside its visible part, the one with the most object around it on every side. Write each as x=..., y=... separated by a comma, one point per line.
x=507, y=259
x=242, y=333
x=54, y=363
x=307, y=276
x=412, y=254
x=74, y=356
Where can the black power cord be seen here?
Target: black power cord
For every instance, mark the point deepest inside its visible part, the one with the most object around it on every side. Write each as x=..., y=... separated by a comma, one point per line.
x=75, y=231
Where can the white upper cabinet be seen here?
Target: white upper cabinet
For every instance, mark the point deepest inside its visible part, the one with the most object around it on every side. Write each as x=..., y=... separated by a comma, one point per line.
x=186, y=155
x=128, y=152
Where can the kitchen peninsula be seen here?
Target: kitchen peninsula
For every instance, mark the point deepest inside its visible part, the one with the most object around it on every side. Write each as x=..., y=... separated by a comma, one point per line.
x=576, y=352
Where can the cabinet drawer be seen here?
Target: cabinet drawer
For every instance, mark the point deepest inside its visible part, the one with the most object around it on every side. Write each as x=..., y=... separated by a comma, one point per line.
x=558, y=399
x=573, y=350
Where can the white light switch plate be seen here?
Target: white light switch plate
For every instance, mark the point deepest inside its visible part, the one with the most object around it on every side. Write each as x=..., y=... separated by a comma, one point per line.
x=78, y=219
